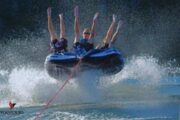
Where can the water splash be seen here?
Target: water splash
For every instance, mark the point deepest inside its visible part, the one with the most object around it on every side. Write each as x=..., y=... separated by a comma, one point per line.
x=145, y=69
x=29, y=85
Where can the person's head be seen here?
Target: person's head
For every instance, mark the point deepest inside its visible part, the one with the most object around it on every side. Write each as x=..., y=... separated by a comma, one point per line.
x=86, y=33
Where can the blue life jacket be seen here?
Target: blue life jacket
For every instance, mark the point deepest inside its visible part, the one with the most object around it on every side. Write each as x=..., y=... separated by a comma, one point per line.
x=85, y=44
x=83, y=41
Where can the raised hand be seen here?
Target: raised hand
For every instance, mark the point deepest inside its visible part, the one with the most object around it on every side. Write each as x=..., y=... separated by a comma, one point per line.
x=61, y=16
x=114, y=18
x=76, y=11
x=49, y=11
x=119, y=25
x=95, y=16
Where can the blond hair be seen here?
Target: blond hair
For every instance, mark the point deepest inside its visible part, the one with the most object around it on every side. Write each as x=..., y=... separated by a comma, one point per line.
x=87, y=30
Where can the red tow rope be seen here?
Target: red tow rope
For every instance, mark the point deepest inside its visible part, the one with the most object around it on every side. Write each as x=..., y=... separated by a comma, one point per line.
x=59, y=90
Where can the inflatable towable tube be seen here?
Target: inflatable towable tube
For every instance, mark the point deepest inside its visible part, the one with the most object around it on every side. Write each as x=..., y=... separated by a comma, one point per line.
x=109, y=61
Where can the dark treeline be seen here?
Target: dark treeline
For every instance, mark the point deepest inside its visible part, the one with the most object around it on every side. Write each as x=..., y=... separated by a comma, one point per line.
x=150, y=26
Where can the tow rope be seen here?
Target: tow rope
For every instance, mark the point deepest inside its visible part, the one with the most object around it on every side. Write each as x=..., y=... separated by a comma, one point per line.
x=59, y=90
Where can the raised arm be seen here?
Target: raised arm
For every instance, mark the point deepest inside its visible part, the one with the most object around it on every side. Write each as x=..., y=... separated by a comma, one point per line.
x=93, y=26
x=114, y=37
x=52, y=32
x=62, y=28
x=76, y=24
x=110, y=31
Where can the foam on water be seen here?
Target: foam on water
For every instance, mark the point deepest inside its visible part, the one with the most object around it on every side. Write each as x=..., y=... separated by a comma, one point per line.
x=27, y=85
x=145, y=69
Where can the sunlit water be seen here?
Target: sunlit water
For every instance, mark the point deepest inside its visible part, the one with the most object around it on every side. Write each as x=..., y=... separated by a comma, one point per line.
x=143, y=90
